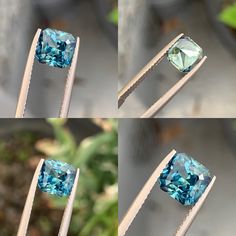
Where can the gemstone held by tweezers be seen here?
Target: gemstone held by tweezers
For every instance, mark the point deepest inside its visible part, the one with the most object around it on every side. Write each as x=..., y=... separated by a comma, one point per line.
x=184, y=179
x=55, y=48
x=185, y=54
x=56, y=178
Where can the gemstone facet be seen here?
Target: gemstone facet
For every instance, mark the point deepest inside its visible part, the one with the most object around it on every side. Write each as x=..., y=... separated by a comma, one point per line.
x=184, y=179
x=55, y=48
x=185, y=54
x=56, y=178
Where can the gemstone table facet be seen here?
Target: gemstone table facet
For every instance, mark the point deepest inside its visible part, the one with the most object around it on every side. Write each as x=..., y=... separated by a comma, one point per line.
x=55, y=48
x=184, y=179
x=185, y=54
x=56, y=178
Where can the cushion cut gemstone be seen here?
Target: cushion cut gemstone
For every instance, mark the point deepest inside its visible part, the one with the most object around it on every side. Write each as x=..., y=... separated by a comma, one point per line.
x=56, y=178
x=184, y=179
x=184, y=54
x=55, y=48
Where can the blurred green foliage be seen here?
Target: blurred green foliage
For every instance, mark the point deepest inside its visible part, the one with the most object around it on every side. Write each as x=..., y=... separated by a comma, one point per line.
x=96, y=205
x=228, y=16
x=113, y=16
x=95, y=210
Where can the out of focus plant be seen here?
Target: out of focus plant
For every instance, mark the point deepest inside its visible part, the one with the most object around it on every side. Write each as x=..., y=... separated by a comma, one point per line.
x=96, y=204
x=228, y=16
x=22, y=143
x=113, y=16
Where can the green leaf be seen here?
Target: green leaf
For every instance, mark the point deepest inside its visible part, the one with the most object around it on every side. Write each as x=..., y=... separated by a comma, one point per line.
x=92, y=146
x=66, y=141
x=113, y=16
x=228, y=16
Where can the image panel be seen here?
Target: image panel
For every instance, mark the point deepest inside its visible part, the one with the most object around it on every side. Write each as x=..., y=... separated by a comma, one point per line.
x=61, y=23
x=62, y=147
x=204, y=149
x=198, y=39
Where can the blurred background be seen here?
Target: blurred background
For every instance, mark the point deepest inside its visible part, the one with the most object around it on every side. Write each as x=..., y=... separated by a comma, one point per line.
x=95, y=22
x=146, y=26
x=90, y=145
x=144, y=144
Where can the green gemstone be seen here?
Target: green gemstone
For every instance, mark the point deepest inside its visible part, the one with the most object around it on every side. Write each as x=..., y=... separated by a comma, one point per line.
x=185, y=54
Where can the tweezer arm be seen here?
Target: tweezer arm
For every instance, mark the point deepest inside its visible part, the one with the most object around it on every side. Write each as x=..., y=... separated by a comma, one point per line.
x=194, y=211
x=160, y=103
x=20, y=109
x=22, y=230
x=69, y=83
x=143, y=194
x=133, y=83
x=68, y=211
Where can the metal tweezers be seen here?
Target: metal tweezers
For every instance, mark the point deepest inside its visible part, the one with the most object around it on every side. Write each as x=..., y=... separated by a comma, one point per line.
x=160, y=103
x=20, y=109
x=143, y=194
x=22, y=230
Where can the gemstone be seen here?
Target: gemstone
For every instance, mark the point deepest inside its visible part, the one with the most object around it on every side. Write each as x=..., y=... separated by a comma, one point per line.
x=55, y=48
x=56, y=178
x=185, y=54
x=184, y=179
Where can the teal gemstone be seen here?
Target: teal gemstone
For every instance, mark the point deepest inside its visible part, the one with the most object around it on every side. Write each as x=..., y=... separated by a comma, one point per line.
x=56, y=178
x=185, y=54
x=184, y=179
x=55, y=48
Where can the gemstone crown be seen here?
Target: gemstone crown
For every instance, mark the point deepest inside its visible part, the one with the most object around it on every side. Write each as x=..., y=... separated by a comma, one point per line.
x=185, y=54
x=55, y=48
x=56, y=178
x=184, y=179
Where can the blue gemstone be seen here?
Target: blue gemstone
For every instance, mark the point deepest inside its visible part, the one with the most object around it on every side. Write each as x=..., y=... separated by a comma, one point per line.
x=55, y=48
x=56, y=178
x=184, y=179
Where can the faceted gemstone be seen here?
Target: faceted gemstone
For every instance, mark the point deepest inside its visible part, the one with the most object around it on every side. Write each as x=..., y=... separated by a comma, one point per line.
x=184, y=54
x=56, y=178
x=55, y=48
x=184, y=179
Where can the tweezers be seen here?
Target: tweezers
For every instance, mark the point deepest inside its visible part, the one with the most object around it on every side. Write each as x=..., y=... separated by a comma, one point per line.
x=22, y=230
x=145, y=191
x=160, y=103
x=22, y=100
